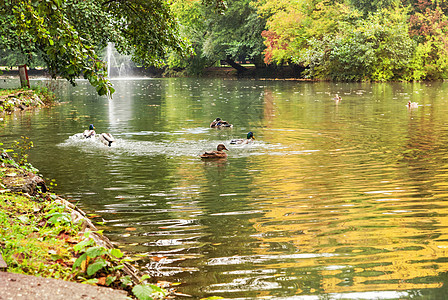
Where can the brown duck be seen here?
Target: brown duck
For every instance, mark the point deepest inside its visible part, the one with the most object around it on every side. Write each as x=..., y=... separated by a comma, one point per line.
x=219, y=153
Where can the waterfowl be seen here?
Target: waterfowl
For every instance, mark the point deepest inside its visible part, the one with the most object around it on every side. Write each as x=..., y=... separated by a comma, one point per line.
x=412, y=104
x=107, y=139
x=337, y=98
x=218, y=123
x=250, y=137
x=89, y=132
x=219, y=153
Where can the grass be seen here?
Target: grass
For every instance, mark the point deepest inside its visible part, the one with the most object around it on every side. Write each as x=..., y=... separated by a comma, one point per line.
x=5, y=92
x=32, y=245
x=26, y=98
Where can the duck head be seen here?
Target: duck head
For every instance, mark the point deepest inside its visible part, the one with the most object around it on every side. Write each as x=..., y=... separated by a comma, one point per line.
x=250, y=135
x=91, y=127
x=222, y=147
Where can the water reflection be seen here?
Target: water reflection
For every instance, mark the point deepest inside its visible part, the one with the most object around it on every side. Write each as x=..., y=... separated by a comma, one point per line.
x=337, y=201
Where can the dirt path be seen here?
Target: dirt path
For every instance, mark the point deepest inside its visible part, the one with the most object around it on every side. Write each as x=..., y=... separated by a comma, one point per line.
x=26, y=287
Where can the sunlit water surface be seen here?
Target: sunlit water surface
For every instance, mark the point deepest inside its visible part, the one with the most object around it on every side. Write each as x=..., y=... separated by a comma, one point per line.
x=341, y=201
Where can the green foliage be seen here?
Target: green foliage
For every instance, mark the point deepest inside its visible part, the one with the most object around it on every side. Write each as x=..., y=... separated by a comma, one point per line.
x=30, y=27
x=293, y=28
x=234, y=33
x=20, y=154
x=147, y=292
x=58, y=217
x=66, y=33
x=372, y=6
x=377, y=49
x=27, y=246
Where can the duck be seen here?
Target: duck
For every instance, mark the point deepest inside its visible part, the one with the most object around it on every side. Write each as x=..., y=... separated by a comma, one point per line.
x=219, y=123
x=412, y=104
x=88, y=133
x=337, y=98
x=249, y=139
x=107, y=139
x=219, y=153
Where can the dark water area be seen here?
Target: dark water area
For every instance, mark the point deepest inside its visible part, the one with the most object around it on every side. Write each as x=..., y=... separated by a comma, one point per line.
x=332, y=200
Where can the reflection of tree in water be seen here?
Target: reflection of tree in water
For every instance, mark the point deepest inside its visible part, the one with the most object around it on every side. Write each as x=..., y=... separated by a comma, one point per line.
x=269, y=107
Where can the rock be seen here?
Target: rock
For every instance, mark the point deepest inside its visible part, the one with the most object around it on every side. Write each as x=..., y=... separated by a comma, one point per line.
x=21, y=182
x=19, y=286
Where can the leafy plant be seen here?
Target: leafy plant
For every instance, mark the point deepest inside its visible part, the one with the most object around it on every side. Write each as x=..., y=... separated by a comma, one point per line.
x=22, y=146
x=94, y=259
x=147, y=292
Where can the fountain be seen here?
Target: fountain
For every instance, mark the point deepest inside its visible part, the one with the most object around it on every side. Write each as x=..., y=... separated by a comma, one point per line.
x=118, y=66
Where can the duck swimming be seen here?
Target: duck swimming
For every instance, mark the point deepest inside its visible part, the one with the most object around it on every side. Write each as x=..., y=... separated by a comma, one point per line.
x=219, y=153
x=218, y=123
x=89, y=132
x=106, y=138
x=249, y=139
x=337, y=98
x=412, y=104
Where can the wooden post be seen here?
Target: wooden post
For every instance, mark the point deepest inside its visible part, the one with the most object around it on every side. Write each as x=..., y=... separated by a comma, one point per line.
x=23, y=73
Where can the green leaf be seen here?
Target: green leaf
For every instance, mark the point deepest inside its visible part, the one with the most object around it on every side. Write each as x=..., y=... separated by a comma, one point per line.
x=143, y=292
x=96, y=251
x=110, y=279
x=91, y=281
x=81, y=245
x=96, y=266
x=79, y=261
x=116, y=252
x=146, y=276
x=126, y=280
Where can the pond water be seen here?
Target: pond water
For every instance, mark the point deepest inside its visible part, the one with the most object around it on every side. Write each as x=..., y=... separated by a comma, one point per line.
x=334, y=201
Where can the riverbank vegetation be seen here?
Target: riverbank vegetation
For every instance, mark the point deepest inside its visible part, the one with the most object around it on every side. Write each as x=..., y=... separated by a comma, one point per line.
x=23, y=98
x=350, y=40
x=43, y=235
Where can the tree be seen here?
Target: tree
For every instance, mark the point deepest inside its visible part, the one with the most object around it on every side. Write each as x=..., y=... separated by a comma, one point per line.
x=428, y=25
x=234, y=34
x=372, y=6
x=66, y=34
x=293, y=25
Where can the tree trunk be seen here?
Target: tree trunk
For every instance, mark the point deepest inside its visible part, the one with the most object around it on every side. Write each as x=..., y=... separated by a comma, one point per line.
x=23, y=74
x=258, y=62
x=234, y=65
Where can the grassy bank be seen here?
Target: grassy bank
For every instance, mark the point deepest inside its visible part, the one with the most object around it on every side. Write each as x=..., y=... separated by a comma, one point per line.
x=22, y=99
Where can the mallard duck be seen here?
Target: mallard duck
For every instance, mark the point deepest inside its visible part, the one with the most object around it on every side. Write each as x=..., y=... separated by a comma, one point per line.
x=337, y=98
x=107, y=139
x=412, y=104
x=218, y=123
x=89, y=132
x=250, y=137
x=219, y=153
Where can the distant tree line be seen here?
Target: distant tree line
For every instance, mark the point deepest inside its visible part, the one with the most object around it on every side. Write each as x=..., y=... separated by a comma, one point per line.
x=354, y=40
